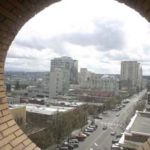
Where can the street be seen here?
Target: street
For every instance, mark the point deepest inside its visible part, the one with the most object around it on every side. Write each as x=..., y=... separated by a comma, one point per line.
x=115, y=121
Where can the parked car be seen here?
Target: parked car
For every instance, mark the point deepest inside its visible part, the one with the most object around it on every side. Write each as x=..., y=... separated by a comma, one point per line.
x=64, y=147
x=66, y=144
x=87, y=133
x=99, y=117
x=74, y=142
x=93, y=126
x=123, y=105
x=89, y=129
x=81, y=136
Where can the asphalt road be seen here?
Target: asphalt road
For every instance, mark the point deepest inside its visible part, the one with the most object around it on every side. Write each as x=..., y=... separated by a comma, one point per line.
x=102, y=139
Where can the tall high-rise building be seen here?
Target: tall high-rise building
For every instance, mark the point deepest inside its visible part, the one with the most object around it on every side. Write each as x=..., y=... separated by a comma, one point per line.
x=64, y=71
x=66, y=64
x=131, y=74
x=59, y=82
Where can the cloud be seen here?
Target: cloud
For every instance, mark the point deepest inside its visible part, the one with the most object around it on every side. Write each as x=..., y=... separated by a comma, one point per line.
x=88, y=32
x=107, y=35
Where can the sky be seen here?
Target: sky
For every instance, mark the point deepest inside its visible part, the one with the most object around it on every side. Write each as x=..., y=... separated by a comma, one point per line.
x=98, y=33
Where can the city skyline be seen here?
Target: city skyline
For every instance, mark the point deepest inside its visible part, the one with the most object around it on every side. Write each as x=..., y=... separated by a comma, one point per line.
x=99, y=39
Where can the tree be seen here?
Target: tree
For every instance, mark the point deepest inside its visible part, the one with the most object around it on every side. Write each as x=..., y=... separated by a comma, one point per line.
x=8, y=87
x=17, y=85
x=61, y=124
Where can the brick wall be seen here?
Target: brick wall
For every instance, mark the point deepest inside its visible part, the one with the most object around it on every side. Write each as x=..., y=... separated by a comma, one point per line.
x=141, y=6
x=136, y=138
x=13, y=15
x=11, y=136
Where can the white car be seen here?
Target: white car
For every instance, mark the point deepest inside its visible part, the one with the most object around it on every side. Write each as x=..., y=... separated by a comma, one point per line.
x=88, y=129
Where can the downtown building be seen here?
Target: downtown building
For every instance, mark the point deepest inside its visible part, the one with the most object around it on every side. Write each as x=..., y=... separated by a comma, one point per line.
x=110, y=83
x=88, y=79
x=137, y=132
x=131, y=75
x=66, y=64
x=101, y=83
x=64, y=71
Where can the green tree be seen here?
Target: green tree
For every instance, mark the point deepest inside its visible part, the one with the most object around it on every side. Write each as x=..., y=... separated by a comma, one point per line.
x=17, y=85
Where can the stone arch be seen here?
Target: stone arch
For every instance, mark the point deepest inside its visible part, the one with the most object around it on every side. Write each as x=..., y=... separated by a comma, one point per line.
x=13, y=15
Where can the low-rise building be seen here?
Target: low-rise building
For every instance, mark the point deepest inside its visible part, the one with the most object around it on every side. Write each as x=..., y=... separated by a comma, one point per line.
x=89, y=79
x=40, y=113
x=13, y=100
x=39, y=92
x=148, y=102
x=109, y=84
x=137, y=132
x=104, y=83
x=19, y=114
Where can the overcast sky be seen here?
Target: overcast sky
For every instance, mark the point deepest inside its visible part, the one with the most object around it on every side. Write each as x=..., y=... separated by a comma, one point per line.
x=98, y=33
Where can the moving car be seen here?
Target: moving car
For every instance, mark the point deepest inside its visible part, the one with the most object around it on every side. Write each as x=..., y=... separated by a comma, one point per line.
x=113, y=133
x=115, y=141
x=119, y=135
x=104, y=127
x=117, y=115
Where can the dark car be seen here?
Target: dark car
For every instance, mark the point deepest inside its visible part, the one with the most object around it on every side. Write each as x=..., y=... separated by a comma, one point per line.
x=66, y=146
x=115, y=141
x=93, y=126
x=118, y=135
x=113, y=133
x=104, y=127
x=98, y=117
x=63, y=148
x=80, y=137
x=74, y=142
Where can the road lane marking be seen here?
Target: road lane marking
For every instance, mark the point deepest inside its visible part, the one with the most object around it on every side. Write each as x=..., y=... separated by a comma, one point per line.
x=111, y=128
x=95, y=144
x=98, y=137
x=91, y=148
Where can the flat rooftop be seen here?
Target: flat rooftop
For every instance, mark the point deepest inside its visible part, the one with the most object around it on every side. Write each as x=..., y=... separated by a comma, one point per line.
x=141, y=123
x=42, y=109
